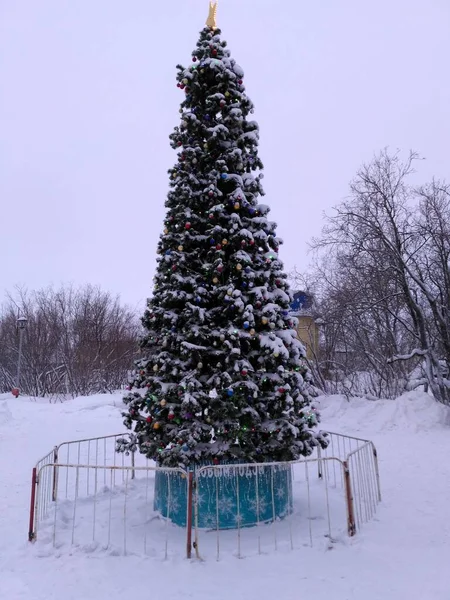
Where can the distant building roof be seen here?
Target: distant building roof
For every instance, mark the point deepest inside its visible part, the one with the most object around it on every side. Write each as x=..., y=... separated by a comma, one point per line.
x=302, y=303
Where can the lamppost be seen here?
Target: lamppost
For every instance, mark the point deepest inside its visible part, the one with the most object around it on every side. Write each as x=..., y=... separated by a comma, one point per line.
x=21, y=325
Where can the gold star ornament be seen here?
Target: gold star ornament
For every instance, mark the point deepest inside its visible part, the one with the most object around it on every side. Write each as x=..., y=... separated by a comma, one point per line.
x=211, y=21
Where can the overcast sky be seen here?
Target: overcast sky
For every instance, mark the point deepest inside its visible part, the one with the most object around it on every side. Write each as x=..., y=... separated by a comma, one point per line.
x=88, y=98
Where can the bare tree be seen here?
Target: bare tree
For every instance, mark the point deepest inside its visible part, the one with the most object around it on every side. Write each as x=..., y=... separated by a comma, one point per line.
x=383, y=267
x=78, y=341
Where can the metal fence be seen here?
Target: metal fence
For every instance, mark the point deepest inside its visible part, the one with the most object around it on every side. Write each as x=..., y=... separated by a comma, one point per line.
x=86, y=495
x=359, y=476
x=317, y=513
x=116, y=515
x=53, y=480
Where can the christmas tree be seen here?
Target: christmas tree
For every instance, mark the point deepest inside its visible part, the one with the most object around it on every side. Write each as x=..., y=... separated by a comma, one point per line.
x=222, y=375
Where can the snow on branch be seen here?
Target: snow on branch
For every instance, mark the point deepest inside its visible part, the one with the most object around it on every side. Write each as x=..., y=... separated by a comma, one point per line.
x=415, y=352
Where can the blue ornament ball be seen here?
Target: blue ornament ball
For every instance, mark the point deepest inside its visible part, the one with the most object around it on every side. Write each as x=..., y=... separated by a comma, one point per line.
x=185, y=447
x=246, y=324
x=230, y=392
x=224, y=176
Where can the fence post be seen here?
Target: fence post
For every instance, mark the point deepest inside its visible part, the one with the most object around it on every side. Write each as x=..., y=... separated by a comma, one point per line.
x=377, y=471
x=55, y=473
x=189, y=515
x=133, y=472
x=319, y=462
x=31, y=533
x=351, y=525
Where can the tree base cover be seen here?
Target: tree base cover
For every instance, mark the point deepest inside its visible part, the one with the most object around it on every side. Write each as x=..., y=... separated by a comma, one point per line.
x=240, y=495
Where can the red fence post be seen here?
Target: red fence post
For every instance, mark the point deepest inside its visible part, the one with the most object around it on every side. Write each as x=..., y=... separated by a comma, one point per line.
x=31, y=532
x=351, y=524
x=189, y=515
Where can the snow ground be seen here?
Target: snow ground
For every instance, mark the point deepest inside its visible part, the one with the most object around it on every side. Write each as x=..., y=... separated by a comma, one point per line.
x=402, y=554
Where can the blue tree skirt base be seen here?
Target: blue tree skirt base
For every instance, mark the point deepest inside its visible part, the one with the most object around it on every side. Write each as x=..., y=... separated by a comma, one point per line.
x=231, y=495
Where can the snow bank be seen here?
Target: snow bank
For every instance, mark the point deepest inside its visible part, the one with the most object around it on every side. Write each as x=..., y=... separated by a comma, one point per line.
x=98, y=401
x=5, y=413
x=413, y=412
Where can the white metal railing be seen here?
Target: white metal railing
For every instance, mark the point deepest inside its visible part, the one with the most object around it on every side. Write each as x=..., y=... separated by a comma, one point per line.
x=362, y=464
x=118, y=518
x=89, y=451
x=84, y=492
x=318, y=511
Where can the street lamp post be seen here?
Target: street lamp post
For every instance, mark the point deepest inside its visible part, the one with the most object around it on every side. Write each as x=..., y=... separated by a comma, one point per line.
x=21, y=325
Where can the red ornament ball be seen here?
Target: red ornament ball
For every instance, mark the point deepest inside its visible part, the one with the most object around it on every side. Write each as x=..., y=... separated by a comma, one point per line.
x=194, y=59
x=171, y=416
x=219, y=247
x=174, y=267
x=216, y=461
x=149, y=419
x=220, y=268
x=240, y=82
x=252, y=242
x=281, y=390
x=187, y=226
x=214, y=52
x=244, y=372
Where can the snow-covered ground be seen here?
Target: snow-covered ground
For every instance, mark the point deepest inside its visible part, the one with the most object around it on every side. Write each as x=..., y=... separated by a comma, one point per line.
x=402, y=554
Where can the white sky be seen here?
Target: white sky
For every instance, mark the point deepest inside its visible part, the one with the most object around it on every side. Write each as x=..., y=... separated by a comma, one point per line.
x=88, y=98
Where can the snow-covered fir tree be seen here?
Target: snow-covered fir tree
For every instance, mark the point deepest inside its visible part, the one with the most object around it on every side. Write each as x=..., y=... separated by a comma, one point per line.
x=222, y=376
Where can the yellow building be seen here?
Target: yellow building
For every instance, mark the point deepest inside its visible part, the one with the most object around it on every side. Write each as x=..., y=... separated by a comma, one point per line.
x=308, y=326
x=308, y=334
